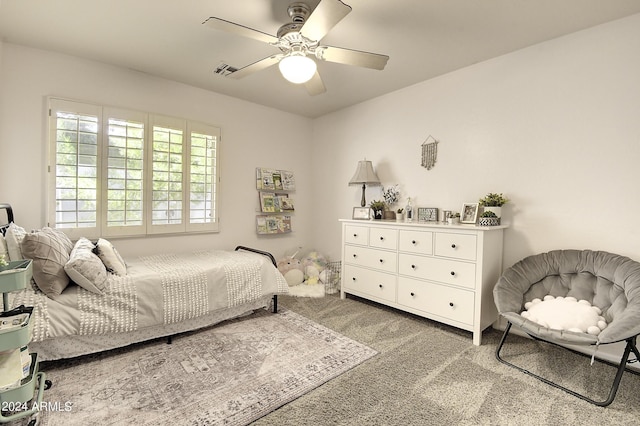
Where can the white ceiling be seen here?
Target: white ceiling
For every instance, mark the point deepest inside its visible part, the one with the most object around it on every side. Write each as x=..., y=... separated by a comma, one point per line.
x=423, y=38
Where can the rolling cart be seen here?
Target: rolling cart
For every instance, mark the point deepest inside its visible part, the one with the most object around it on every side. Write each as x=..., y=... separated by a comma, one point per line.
x=20, y=399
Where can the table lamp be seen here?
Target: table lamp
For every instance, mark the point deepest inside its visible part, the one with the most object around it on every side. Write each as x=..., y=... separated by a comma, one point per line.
x=364, y=175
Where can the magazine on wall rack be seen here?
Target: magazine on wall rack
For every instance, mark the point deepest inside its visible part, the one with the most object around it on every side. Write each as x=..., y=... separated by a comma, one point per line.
x=273, y=224
x=288, y=181
x=273, y=179
x=271, y=202
x=286, y=202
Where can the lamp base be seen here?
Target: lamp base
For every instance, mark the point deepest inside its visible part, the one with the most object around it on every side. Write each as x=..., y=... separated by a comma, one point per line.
x=363, y=202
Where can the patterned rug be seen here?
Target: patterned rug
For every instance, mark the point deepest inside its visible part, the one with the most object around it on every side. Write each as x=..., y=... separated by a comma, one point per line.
x=229, y=374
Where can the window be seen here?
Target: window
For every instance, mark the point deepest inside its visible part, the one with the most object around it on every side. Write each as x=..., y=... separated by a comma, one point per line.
x=119, y=173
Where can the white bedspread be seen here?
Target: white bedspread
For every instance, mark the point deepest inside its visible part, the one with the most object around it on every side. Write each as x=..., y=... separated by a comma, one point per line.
x=157, y=291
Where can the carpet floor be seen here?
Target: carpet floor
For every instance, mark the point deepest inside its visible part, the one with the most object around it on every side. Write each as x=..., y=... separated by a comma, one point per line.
x=228, y=374
x=427, y=373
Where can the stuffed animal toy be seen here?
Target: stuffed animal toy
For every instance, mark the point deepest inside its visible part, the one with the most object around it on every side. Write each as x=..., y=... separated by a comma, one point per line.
x=565, y=313
x=292, y=270
x=315, y=265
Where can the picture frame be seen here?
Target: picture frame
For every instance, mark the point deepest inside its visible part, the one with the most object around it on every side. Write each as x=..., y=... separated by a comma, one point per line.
x=427, y=214
x=361, y=213
x=469, y=213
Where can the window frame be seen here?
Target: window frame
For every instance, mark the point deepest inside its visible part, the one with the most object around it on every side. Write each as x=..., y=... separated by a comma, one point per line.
x=106, y=113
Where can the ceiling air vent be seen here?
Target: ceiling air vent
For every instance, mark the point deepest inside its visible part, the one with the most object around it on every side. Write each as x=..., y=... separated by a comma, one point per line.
x=225, y=69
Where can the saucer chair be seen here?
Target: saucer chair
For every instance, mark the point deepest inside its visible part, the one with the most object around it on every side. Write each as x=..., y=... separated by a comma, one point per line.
x=609, y=281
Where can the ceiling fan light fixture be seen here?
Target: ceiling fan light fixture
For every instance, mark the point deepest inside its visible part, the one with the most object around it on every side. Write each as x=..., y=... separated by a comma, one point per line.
x=297, y=68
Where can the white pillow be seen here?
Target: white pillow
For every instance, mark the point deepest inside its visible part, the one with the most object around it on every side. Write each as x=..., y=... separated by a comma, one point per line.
x=14, y=236
x=85, y=268
x=110, y=257
x=565, y=313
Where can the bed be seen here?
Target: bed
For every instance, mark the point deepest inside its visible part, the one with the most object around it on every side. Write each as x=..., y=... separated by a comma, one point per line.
x=157, y=296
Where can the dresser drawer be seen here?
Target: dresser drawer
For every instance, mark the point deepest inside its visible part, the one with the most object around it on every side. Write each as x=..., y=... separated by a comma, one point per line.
x=458, y=246
x=356, y=235
x=373, y=283
x=371, y=258
x=462, y=274
x=452, y=303
x=383, y=238
x=420, y=242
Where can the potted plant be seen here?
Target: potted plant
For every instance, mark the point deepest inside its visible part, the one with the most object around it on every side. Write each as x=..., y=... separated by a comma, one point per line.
x=400, y=215
x=453, y=218
x=391, y=196
x=489, y=218
x=378, y=207
x=493, y=202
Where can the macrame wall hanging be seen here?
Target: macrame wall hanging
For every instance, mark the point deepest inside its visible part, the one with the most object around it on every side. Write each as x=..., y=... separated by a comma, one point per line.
x=429, y=152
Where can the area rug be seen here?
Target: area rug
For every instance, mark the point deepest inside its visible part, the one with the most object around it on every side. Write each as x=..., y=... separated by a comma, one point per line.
x=229, y=374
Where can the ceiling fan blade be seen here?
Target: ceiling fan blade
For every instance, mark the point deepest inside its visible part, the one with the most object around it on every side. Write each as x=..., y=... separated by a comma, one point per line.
x=256, y=66
x=241, y=30
x=315, y=86
x=352, y=57
x=324, y=17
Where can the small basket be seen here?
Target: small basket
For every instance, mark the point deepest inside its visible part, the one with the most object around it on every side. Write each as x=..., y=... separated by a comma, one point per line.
x=489, y=221
x=15, y=276
x=19, y=335
x=332, y=285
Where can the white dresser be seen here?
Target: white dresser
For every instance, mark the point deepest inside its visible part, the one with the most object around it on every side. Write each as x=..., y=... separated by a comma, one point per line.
x=438, y=271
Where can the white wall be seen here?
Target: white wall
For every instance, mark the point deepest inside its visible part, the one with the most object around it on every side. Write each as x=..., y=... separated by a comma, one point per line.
x=252, y=136
x=555, y=127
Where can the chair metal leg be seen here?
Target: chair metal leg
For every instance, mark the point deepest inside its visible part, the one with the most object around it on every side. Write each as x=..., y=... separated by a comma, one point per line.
x=631, y=346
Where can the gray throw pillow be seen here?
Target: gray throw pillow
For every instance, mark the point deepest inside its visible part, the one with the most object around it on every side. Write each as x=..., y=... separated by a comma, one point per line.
x=49, y=249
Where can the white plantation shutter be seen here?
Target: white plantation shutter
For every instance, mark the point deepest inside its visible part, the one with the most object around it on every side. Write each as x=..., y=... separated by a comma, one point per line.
x=124, y=171
x=74, y=166
x=203, y=177
x=116, y=172
x=167, y=175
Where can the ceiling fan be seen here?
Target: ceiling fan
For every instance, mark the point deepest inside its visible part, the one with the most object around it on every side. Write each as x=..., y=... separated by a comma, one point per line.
x=299, y=41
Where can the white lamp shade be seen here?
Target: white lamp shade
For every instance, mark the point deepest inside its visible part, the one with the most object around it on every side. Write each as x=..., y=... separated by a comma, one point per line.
x=297, y=68
x=364, y=174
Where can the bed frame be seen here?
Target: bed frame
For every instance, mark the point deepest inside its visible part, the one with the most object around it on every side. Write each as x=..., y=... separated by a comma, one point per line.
x=275, y=264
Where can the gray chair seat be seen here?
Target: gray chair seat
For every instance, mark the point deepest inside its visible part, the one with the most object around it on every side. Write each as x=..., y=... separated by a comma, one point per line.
x=609, y=281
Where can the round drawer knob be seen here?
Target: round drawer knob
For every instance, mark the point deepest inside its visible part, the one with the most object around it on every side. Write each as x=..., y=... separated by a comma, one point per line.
x=355, y=255
x=354, y=278
x=452, y=273
x=412, y=294
x=355, y=235
x=413, y=266
x=381, y=260
x=381, y=238
x=413, y=242
x=380, y=285
x=451, y=304
x=453, y=246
